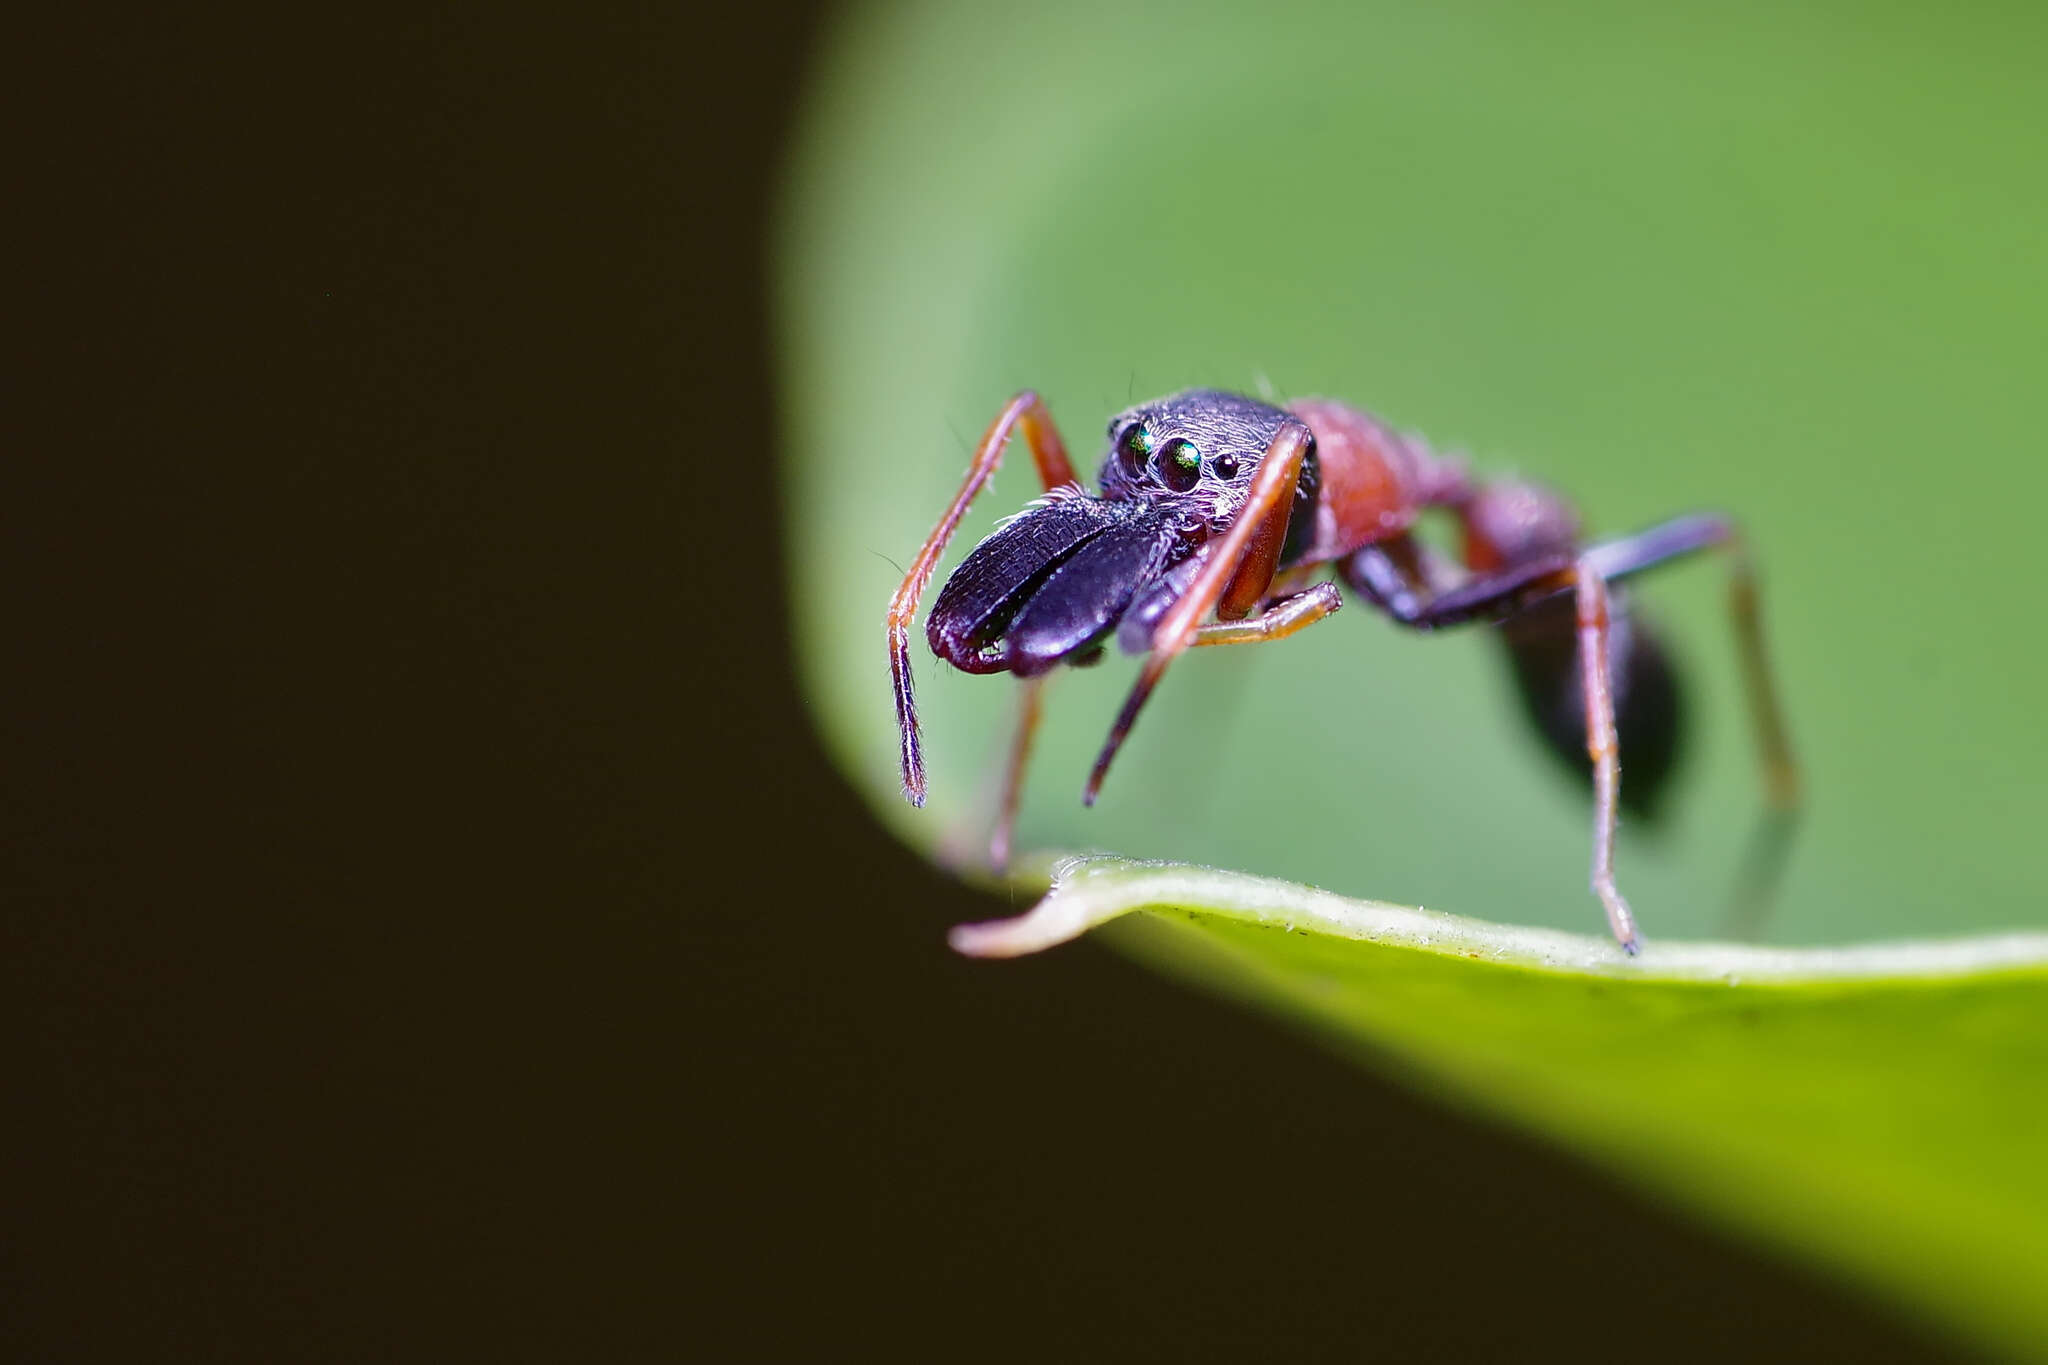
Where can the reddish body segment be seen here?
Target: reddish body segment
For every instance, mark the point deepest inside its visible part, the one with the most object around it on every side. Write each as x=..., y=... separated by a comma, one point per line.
x=1375, y=482
x=1216, y=510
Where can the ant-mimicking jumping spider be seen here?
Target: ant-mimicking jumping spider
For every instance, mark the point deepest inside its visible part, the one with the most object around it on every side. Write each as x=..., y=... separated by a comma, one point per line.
x=1214, y=514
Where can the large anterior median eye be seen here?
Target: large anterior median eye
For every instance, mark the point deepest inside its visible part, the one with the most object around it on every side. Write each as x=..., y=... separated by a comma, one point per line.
x=1134, y=447
x=1180, y=464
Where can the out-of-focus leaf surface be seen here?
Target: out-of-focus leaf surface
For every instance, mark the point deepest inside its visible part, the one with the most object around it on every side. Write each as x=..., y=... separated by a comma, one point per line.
x=1879, y=1107
x=1785, y=262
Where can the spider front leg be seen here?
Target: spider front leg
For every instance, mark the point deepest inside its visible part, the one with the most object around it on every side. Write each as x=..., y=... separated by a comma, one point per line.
x=1027, y=411
x=1238, y=571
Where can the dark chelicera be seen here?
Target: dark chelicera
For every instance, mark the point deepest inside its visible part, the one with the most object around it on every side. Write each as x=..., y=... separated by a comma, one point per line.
x=1053, y=583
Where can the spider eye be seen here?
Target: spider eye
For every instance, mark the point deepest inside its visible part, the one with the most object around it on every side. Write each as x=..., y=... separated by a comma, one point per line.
x=1225, y=466
x=1134, y=448
x=1180, y=464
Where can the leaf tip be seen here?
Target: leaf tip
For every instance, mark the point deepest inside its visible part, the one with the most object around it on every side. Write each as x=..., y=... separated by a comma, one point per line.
x=1018, y=936
x=1054, y=920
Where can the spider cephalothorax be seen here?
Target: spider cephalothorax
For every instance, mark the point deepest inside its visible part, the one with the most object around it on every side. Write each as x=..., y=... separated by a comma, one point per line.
x=1052, y=583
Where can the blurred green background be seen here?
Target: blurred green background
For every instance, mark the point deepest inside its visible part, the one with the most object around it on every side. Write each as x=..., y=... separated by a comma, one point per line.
x=1783, y=263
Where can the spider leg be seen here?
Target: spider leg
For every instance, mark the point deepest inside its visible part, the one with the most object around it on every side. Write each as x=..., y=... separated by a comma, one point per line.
x=1601, y=747
x=1028, y=412
x=1251, y=543
x=1385, y=575
x=1031, y=696
x=1687, y=535
x=1279, y=620
x=1381, y=574
x=1770, y=840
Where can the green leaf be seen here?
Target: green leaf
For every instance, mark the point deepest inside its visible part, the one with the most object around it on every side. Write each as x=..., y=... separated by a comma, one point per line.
x=1781, y=261
x=1880, y=1107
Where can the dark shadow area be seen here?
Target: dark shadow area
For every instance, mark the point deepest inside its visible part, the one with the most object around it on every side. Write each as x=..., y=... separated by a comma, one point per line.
x=431, y=930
